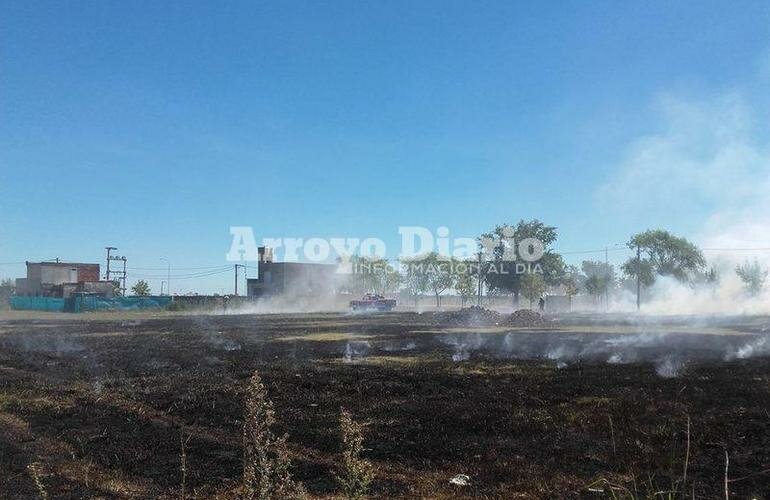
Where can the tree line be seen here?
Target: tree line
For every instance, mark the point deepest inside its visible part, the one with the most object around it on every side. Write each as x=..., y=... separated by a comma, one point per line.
x=655, y=254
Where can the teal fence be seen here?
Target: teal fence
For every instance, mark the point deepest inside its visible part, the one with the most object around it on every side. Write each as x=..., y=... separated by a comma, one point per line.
x=88, y=303
x=37, y=304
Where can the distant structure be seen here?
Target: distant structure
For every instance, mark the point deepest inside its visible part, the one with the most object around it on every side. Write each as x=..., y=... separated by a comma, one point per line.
x=62, y=279
x=297, y=279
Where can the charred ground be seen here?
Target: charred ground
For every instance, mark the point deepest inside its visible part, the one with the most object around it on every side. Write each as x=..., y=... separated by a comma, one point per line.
x=100, y=405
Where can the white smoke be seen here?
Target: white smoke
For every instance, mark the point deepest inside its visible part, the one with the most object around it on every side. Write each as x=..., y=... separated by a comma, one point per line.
x=53, y=344
x=668, y=367
x=668, y=353
x=756, y=347
x=210, y=333
x=394, y=347
x=355, y=350
x=286, y=303
x=710, y=155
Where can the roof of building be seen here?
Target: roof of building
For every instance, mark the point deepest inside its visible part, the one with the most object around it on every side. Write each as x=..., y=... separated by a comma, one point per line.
x=61, y=264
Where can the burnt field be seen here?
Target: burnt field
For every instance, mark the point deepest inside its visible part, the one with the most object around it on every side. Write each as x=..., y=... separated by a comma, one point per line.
x=101, y=405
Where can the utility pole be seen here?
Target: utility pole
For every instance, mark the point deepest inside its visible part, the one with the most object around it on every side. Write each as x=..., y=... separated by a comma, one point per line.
x=606, y=280
x=638, y=276
x=236, y=276
x=168, y=275
x=121, y=274
x=478, y=297
x=124, y=275
x=109, y=249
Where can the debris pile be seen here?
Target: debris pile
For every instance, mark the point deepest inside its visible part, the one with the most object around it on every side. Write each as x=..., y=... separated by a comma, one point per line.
x=468, y=316
x=479, y=316
x=527, y=317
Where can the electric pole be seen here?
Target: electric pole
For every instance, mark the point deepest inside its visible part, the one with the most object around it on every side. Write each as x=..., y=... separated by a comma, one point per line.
x=478, y=297
x=109, y=249
x=606, y=280
x=638, y=276
x=168, y=275
x=236, y=276
x=122, y=274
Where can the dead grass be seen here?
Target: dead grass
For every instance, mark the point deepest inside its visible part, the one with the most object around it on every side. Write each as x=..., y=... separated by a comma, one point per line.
x=324, y=337
x=398, y=360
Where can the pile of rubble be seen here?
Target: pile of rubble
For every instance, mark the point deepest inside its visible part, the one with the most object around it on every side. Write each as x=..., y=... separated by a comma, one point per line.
x=469, y=316
x=479, y=316
x=526, y=318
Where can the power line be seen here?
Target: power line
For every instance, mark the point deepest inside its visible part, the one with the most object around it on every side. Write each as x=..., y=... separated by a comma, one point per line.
x=759, y=249
x=182, y=268
x=599, y=250
x=181, y=276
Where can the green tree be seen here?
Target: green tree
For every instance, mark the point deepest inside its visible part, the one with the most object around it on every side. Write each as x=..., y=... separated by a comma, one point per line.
x=532, y=286
x=438, y=274
x=415, y=280
x=594, y=285
x=7, y=289
x=599, y=278
x=141, y=288
x=709, y=277
x=753, y=276
x=466, y=283
x=502, y=273
x=663, y=254
x=371, y=275
x=388, y=278
x=572, y=282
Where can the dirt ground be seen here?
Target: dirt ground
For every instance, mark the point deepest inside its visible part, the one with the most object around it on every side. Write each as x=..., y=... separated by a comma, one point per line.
x=101, y=404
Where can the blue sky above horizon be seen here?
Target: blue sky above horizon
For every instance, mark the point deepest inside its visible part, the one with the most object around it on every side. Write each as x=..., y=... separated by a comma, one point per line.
x=155, y=126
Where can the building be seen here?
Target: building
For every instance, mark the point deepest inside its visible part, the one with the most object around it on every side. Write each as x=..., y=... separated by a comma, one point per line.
x=298, y=279
x=62, y=279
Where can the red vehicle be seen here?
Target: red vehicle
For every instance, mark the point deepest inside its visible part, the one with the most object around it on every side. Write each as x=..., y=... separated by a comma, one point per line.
x=373, y=302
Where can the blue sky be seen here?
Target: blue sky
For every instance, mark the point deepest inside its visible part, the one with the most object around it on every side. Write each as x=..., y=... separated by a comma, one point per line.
x=155, y=126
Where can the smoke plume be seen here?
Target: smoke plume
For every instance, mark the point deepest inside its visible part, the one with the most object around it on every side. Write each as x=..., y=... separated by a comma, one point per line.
x=710, y=157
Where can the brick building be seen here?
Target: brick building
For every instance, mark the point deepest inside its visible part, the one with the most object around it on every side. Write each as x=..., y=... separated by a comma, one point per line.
x=60, y=279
